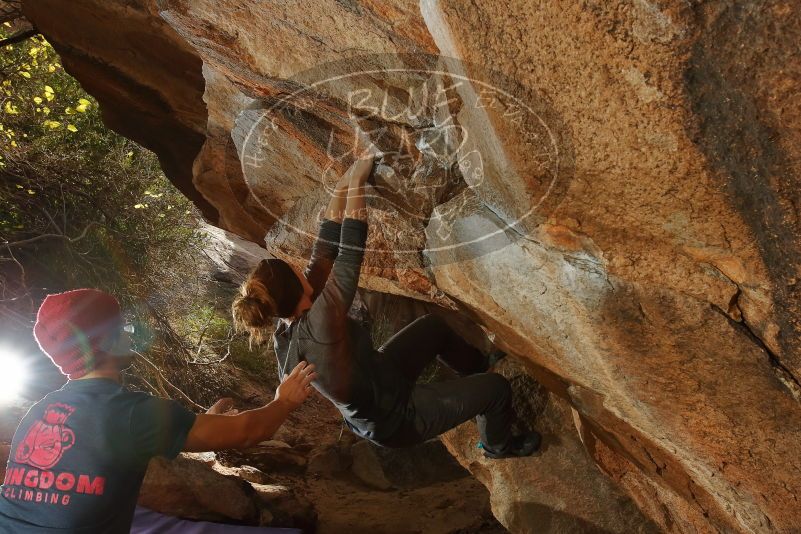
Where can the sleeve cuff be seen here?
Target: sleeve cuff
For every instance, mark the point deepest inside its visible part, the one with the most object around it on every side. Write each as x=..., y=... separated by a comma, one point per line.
x=330, y=230
x=356, y=225
x=354, y=237
x=185, y=420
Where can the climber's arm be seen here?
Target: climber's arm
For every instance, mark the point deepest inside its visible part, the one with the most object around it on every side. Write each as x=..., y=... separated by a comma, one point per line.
x=327, y=315
x=326, y=246
x=246, y=429
x=355, y=204
x=324, y=252
x=336, y=206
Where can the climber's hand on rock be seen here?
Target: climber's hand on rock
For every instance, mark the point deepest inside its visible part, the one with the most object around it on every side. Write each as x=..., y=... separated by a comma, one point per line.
x=364, y=148
x=224, y=406
x=296, y=386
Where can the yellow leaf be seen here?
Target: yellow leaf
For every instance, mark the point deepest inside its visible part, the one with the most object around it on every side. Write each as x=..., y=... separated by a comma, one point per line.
x=52, y=124
x=25, y=74
x=83, y=101
x=51, y=68
x=49, y=96
x=139, y=206
x=69, y=111
x=31, y=192
x=13, y=143
x=129, y=154
x=72, y=128
x=48, y=89
x=37, y=99
x=80, y=108
x=20, y=187
x=7, y=24
x=10, y=108
x=46, y=110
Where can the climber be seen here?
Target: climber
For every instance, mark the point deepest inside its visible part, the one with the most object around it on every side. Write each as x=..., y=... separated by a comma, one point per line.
x=79, y=455
x=374, y=390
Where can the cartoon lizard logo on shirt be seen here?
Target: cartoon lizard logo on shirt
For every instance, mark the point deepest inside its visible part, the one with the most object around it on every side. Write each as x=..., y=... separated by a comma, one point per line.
x=47, y=439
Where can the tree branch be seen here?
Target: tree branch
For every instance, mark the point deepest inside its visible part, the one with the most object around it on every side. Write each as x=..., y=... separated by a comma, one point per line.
x=23, y=282
x=225, y=356
x=176, y=388
x=47, y=236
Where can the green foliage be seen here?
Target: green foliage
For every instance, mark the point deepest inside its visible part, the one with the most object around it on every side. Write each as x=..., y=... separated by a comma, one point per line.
x=211, y=330
x=203, y=320
x=81, y=206
x=39, y=100
x=257, y=363
x=84, y=205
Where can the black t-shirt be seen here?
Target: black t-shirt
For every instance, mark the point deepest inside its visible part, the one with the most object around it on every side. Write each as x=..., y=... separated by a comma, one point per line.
x=79, y=456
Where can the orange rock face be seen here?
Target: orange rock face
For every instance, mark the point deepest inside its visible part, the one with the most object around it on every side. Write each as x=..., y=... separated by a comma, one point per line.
x=609, y=187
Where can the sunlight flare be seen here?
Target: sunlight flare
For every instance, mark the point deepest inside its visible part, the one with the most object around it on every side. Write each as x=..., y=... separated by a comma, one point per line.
x=13, y=375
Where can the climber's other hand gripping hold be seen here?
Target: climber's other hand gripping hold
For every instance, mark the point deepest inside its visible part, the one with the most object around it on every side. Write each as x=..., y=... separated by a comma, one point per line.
x=359, y=173
x=351, y=186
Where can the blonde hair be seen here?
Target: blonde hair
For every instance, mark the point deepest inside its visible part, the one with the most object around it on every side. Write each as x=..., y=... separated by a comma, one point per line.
x=253, y=310
x=271, y=290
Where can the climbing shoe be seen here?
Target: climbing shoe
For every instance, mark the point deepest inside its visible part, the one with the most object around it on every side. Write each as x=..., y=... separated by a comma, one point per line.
x=519, y=446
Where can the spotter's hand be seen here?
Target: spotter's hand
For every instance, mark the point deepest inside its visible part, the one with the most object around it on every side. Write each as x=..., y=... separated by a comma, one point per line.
x=296, y=386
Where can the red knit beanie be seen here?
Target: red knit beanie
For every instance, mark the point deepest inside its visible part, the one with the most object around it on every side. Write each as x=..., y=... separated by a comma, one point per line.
x=72, y=326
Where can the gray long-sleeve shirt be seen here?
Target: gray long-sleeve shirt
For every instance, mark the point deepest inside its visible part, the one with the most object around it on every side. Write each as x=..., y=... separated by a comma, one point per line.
x=351, y=373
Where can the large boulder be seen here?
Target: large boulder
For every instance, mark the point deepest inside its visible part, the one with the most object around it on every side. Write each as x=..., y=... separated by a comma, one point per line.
x=197, y=486
x=190, y=487
x=609, y=188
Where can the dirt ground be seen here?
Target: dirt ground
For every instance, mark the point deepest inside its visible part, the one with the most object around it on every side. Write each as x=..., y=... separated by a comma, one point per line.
x=429, y=493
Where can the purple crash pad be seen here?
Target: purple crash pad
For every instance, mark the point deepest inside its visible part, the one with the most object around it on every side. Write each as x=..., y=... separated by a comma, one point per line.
x=149, y=522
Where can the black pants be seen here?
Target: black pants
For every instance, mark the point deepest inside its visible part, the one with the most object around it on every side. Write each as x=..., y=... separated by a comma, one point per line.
x=435, y=408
